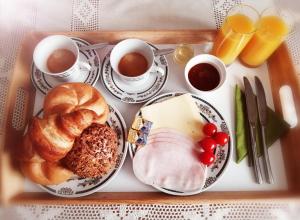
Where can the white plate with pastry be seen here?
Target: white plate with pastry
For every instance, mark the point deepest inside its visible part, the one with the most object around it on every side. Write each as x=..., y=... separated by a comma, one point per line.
x=167, y=156
x=76, y=144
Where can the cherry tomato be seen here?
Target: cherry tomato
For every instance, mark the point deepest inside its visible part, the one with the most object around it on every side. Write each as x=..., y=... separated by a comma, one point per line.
x=221, y=138
x=209, y=129
x=208, y=144
x=207, y=158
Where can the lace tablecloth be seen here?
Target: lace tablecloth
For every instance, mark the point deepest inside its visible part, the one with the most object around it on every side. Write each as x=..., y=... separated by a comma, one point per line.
x=18, y=17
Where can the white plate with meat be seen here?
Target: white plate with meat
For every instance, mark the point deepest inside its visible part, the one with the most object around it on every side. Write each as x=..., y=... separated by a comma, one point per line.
x=170, y=151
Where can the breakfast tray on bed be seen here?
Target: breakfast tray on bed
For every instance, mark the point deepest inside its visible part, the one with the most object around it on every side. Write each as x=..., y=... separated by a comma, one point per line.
x=20, y=108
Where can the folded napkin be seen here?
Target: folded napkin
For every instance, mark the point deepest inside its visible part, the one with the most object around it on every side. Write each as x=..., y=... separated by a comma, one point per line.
x=276, y=127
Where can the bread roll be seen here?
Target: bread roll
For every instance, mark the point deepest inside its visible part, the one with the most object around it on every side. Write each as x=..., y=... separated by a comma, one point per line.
x=70, y=97
x=94, y=153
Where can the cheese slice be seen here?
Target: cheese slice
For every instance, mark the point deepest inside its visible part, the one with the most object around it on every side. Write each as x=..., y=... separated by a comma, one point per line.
x=180, y=113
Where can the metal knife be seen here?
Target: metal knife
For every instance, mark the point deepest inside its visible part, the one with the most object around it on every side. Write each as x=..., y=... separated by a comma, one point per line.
x=252, y=118
x=263, y=119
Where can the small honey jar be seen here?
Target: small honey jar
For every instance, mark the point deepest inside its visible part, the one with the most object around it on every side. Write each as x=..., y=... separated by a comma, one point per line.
x=183, y=53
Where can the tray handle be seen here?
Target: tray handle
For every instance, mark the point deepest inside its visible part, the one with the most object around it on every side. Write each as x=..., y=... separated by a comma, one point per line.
x=19, y=109
x=282, y=74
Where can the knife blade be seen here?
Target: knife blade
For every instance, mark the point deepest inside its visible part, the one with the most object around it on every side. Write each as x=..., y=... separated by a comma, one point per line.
x=263, y=119
x=252, y=119
x=261, y=102
x=250, y=103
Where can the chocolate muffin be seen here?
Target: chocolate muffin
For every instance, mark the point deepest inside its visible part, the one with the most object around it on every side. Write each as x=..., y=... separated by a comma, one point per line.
x=94, y=152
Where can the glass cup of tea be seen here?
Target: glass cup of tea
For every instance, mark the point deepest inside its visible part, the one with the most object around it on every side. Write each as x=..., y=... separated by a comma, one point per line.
x=133, y=61
x=239, y=26
x=204, y=73
x=273, y=27
x=58, y=56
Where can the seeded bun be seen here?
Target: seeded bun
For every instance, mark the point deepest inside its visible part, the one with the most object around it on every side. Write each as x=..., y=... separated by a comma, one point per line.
x=94, y=153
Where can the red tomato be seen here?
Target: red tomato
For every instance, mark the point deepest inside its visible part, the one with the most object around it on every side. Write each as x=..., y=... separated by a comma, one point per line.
x=221, y=138
x=207, y=158
x=208, y=144
x=209, y=129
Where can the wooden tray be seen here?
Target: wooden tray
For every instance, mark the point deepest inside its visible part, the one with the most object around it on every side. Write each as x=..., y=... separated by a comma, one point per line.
x=22, y=93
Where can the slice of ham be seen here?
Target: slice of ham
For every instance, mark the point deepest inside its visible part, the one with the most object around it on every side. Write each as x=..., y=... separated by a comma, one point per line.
x=169, y=160
x=171, y=135
x=168, y=132
x=168, y=141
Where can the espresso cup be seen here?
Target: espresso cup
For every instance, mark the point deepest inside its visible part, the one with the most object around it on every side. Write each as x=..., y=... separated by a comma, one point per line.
x=134, y=46
x=215, y=62
x=48, y=46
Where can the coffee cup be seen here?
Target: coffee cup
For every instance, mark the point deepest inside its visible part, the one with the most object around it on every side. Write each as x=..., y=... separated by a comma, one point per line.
x=58, y=56
x=204, y=73
x=139, y=57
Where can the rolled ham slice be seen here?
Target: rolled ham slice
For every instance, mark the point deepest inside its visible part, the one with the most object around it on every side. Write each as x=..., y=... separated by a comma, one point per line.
x=169, y=160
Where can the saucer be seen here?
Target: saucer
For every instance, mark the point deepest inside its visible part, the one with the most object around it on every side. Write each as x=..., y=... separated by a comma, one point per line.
x=137, y=92
x=44, y=82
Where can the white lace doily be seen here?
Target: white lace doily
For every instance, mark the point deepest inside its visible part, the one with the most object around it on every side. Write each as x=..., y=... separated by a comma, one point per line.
x=234, y=211
x=18, y=17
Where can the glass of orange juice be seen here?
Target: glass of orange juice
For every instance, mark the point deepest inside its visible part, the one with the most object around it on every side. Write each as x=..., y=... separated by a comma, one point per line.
x=238, y=28
x=273, y=27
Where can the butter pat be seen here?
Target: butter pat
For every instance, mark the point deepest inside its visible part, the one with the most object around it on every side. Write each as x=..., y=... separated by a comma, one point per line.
x=180, y=113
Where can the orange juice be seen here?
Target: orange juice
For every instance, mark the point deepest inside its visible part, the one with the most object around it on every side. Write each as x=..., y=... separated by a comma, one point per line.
x=269, y=35
x=235, y=33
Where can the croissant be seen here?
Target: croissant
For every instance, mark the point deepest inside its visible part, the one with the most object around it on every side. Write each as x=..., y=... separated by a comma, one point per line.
x=37, y=169
x=52, y=137
x=47, y=141
x=70, y=97
x=45, y=173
